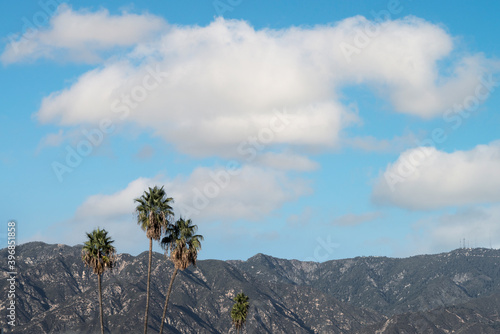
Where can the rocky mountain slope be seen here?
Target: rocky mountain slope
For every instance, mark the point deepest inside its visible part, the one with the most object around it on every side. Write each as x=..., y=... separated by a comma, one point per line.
x=387, y=285
x=480, y=315
x=448, y=293
x=57, y=294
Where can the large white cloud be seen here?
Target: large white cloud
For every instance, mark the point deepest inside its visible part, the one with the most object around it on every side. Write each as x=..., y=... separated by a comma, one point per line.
x=209, y=196
x=210, y=90
x=81, y=35
x=229, y=193
x=425, y=178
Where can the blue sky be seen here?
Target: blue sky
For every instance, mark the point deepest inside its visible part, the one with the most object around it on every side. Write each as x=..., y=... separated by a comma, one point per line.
x=314, y=132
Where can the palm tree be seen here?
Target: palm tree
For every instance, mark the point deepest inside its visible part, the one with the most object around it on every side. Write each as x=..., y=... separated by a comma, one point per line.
x=239, y=311
x=153, y=215
x=183, y=244
x=98, y=254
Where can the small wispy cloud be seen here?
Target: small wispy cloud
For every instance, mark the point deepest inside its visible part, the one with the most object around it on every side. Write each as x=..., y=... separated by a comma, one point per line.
x=81, y=35
x=371, y=144
x=145, y=153
x=301, y=219
x=478, y=225
x=353, y=219
x=287, y=161
x=51, y=140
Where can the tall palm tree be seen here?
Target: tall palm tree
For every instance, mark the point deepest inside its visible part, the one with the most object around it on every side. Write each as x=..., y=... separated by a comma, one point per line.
x=184, y=245
x=153, y=215
x=98, y=254
x=239, y=311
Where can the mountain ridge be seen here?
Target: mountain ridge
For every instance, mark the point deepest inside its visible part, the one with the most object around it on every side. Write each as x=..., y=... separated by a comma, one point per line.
x=58, y=294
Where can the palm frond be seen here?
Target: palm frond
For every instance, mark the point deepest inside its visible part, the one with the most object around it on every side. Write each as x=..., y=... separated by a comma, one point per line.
x=98, y=253
x=154, y=212
x=182, y=243
x=239, y=312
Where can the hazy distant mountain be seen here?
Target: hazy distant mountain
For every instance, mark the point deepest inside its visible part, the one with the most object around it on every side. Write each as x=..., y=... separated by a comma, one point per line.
x=441, y=293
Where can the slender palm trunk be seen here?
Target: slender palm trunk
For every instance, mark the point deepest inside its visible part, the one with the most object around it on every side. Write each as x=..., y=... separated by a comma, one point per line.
x=167, y=298
x=100, y=301
x=147, y=289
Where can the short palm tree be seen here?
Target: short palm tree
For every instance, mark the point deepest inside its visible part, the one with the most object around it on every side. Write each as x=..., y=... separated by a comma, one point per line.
x=98, y=254
x=183, y=244
x=153, y=215
x=239, y=311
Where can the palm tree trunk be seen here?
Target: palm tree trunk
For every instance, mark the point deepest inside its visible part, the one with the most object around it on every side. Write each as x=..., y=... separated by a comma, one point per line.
x=147, y=289
x=167, y=298
x=100, y=301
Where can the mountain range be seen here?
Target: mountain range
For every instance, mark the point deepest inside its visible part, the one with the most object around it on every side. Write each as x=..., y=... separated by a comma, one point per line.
x=454, y=292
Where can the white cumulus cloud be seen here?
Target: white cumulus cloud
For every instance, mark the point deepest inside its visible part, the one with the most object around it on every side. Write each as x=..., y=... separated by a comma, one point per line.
x=211, y=90
x=209, y=196
x=213, y=194
x=81, y=35
x=424, y=178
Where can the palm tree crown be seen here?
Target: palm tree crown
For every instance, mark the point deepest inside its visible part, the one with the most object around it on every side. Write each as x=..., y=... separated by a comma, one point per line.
x=239, y=311
x=98, y=251
x=154, y=212
x=182, y=242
